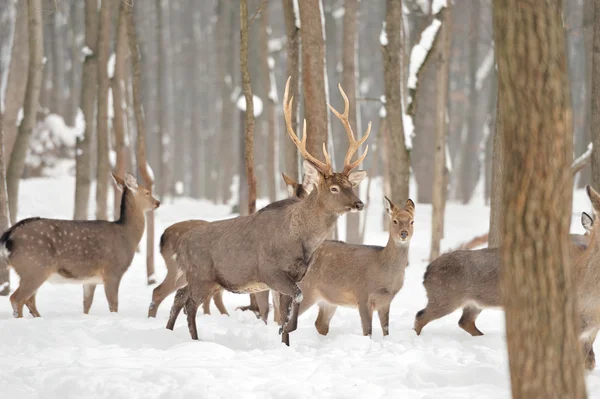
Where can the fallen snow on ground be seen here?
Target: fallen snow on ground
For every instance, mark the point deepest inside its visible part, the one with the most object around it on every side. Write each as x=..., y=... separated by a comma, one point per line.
x=66, y=354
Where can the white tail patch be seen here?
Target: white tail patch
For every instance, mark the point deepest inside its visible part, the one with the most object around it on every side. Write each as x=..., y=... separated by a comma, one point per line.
x=58, y=279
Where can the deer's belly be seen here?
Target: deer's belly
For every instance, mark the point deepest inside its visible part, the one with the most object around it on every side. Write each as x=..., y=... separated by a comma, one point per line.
x=59, y=279
x=249, y=288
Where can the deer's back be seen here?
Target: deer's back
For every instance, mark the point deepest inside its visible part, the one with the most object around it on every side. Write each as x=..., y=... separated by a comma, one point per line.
x=168, y=240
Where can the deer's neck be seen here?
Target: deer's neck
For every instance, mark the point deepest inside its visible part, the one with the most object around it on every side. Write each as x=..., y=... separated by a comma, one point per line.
x=315, y=220
x=394, y=254
x=132, y=219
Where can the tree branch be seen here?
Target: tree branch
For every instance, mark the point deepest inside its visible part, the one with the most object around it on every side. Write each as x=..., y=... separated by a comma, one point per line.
x=583, y=160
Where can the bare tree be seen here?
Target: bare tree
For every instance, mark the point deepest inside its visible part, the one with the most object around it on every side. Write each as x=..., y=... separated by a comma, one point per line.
x=439, y=190
x=595, y=122
x=83, y=157
x=30, y=106
x=537, y=287
x=142, y=161
x=496, y=204
x=4, y=215
x=163, y=83
x=398, y=154
x=293, y=68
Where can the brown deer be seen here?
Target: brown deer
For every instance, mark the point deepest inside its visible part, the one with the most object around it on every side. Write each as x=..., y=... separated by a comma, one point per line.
x=360, y=276
x=274, y=247
x=175, y=278
x=76, y=251
x=471, y=280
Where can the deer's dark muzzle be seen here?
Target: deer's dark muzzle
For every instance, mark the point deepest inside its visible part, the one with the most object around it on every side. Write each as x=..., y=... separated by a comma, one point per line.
x=358, y=205
x=404, y=234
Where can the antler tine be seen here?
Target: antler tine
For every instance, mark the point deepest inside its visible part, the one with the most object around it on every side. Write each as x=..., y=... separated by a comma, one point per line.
x=325, y=168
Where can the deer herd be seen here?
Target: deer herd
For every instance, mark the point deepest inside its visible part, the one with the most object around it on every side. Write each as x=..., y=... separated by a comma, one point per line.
x=283, y=249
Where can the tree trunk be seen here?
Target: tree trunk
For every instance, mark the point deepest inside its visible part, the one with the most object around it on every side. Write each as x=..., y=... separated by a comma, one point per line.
x=595, y=125
x=292, y=70
x=4, y=215
x=17, y=78
x=349, y=76
x=439, y=189
x=103, y=142
x=119, y=105
x=58, y=62
x=313, y=76
x=30, y=106
x=83, y=157
x=496, y=204
x=537, y=287
x=164, y=135
x=143, y=167
x=398, y=155
x=249, y=119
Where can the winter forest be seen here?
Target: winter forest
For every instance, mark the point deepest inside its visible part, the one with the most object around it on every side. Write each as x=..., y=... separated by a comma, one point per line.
x=329, y=198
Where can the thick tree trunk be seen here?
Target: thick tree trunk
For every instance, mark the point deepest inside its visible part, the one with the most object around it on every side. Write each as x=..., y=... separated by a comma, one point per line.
x=249, y=114
x=163, y=86
x=398, y=155
x=17, y=78
x=313, y=76
x=30, y=106
x=349, y=77
x=439, y=189
x=537, y=287
x=4, y=215
x=103, y=142
x=496, y=204
x=58, y=62
x=83, y=157
x=292, y=70
x=143, y=167
x=595, y=125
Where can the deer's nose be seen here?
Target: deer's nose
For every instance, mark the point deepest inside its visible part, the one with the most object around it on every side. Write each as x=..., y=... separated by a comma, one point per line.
x=404, y=234
x=157, y=203
x=359, y=205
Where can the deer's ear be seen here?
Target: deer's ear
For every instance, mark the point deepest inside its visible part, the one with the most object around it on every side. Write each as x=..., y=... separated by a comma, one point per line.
x=356, y=177
x=594, y=198
x=131, y=182
x=587, y=222
x=410, y=206
x=389, y=206
x=118, y=182
x=290, y=184
x=311, y=175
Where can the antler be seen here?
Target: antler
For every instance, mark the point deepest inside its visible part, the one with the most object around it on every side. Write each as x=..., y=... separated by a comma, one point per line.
x=354, y=144
x=324, y=167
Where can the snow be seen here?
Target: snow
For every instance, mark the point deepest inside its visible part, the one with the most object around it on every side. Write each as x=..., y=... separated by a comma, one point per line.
x=409, y=129
x=383, y=39
x=256, y=102
x=110, y=67
x=127, y=355
x=382, y=111
x=66, y=134
x=86, y=51
x=296, y=13
x=484, y=69
x=420, y=50
x=437, y=6
x=338, y=13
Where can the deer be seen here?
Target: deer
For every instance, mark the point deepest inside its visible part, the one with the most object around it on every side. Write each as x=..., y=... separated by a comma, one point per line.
x=76, y=251
x=175, y=278
x=366, y=277
x=471, y=280
x=274, y=247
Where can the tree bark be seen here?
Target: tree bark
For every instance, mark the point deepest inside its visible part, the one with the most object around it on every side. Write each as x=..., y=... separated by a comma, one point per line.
x=249, y=119
x=83, y=157
x=103, y=142
x=595, y=123
x=164, y=135
x=143, y=167
x=313, y=76
x=349, y=76
x=4, y=215
x=292, y=70
x=30, y=106
x=58, y=62
x=439, y=189
x=496, y=204
x=537, y=287
x=16, y=81
x=398, y=154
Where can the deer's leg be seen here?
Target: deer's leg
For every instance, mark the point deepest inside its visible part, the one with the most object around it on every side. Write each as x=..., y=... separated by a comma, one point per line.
x=253, y=306
x=88, y=297
x=366, y=317
x=111, y=289
x=384, y=319
x=588, y=350
x=467, y=320
x=32, y=306
x=197, y=295
x=262, y=300
x=178, y=303
x=27, y=288
x=218, y=298
x=326, y=312
x=276, y=315
x=433, y=311
x=206, y=306
x=169, y=285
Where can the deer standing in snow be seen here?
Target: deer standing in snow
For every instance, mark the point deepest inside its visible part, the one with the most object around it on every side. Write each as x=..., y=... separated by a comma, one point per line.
x=76, y=251
x=274, y=247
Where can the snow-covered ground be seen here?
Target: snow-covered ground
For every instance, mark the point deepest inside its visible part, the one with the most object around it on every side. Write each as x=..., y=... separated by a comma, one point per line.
x=66, y=354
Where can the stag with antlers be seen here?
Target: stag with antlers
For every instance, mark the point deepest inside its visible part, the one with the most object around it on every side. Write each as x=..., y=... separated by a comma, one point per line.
x=272, y=248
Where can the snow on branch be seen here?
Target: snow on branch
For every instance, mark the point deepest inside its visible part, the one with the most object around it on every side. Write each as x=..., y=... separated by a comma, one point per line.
x=583, y=160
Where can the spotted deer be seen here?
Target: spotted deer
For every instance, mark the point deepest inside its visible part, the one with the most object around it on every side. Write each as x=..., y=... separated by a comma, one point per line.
x=274, y=247
x=175, y=277
x=366, y=277
x=76, y=251
x=471, y=280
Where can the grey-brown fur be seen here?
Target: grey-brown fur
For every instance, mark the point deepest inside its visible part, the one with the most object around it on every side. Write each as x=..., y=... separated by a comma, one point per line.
x=360, y=276
x=88, y=252
x=470, y=279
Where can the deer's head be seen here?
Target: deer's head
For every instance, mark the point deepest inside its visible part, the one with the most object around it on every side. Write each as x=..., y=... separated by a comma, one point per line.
x=294, y=188
x=141, y=196
x=401, y=220
x=335, y=190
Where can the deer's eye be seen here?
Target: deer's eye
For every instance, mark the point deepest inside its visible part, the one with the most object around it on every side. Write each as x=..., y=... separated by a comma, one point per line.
x=334, y=189
x=412, y=222
x=395, y=221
